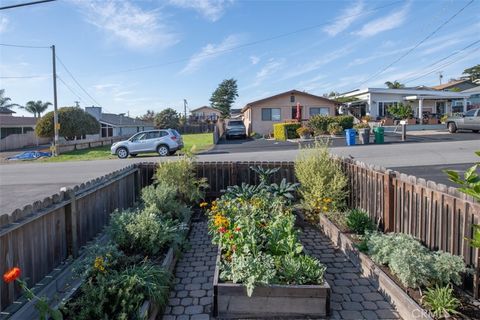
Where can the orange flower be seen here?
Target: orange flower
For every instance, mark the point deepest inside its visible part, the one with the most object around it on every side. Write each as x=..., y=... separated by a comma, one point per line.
x=12, y=274
x=222, y=230
x=238, y=229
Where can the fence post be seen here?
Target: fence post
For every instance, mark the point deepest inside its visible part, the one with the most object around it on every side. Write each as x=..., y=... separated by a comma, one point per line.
x=389, y=202
x=71, y=224
x=137, y=184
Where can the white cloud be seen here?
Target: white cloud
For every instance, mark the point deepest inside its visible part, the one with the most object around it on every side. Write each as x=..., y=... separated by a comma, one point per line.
x=210, y=52
x=386, y=23
x=254, y=60
x=348, y=16
x=319, y=62
x=268, y=69
x=210, y=9
x=130, y=24
x=3, y=24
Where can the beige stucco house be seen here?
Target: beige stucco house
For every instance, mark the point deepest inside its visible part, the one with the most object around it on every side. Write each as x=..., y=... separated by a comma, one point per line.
x=260, y=116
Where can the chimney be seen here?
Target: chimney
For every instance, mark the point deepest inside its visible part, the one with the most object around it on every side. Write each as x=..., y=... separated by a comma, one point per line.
x=96, y=112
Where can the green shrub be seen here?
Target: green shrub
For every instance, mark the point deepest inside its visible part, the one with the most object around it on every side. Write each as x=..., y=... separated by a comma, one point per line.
x=284, y=131
x=447, y=268
x=299, y=270
x=143, y=232
x=413, y=263
x=118, y=294
x=163, y=199
x=441, y=302
x=180, y=175
x=358, y=221
x=334, y=128
x=319, y=123
x=323, y=185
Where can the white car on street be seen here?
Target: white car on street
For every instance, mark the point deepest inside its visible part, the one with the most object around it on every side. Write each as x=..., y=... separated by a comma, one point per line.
x=165, y=142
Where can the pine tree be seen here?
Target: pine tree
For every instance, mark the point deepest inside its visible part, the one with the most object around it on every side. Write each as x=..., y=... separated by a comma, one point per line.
x=224, y=96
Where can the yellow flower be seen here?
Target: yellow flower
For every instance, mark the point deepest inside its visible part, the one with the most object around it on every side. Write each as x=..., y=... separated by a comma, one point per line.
x=325, y=208
x=203, y=204
x=99, y=264
x=220, y=221
x=327, y=200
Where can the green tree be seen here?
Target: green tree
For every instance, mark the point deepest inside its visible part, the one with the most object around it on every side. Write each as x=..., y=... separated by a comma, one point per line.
x=224, y=96
x=36, y=107
x=394, y=85
x=5, y=101
x=473, y=72
x=470, y=183
x=74, y=122
x=167, y=119
x=148, y=117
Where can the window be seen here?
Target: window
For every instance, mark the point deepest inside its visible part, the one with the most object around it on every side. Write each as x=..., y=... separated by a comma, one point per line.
x=383, y=108
x=107, y=130
x=292, y=98
x=294, y=112
x=320, y=110
x=470, y=113
x=271, y=114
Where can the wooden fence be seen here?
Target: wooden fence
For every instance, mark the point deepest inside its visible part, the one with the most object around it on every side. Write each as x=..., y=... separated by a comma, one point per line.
x=40, y=237
x=441, y=217
x=20, y=140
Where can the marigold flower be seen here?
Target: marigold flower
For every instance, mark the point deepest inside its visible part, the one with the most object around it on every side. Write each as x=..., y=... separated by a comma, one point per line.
x=203, y=204
x=99, y=264
x=12, y=274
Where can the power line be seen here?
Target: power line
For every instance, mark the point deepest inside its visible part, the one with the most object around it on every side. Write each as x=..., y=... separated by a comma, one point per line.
x=78, y=83
x=23, y=77
x=71, y=90
x=444, y=65
x=22, y=46
x=418, y=44
x=249, y=44
x=24, y=4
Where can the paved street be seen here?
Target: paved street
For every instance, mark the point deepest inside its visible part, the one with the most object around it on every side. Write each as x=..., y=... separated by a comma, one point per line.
x=24, y=183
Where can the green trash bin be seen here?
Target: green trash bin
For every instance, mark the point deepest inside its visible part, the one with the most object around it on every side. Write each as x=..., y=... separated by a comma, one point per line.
x=379, y=134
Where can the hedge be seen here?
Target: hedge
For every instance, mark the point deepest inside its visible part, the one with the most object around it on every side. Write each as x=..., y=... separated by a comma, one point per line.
x=284, y=131
x=319, y=123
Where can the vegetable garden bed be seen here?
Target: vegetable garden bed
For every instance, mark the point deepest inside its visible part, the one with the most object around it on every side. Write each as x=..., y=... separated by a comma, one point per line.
x=230, y=300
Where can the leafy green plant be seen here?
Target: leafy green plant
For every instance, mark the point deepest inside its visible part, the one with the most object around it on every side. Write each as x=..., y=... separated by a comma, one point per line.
x=400, y=111
x=362, y=125
x=180, y=175
x=284, y=131
x=319, y=123
x=413, y=263
x=359, y=222
x=163, y=199
x=475, y=242
x=323, y=184
x=441, y=301
x=118, y=294
x=300, y=269
x=334, y=128
x=470, y=182
x=264, y=173
x=303, y=131
x=144, y=232
x=447, y=268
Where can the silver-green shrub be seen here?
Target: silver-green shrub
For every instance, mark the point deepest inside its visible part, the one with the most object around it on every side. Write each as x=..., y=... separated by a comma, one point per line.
x=447, y=268
x=321, y=178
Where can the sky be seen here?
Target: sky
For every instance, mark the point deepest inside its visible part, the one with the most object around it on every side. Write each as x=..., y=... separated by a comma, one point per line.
x=131, y=56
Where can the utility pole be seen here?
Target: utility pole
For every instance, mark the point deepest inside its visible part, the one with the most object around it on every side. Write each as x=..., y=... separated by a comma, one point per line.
x=185, y=113
x=56, y=125
x=77, y=103
x=440, y=76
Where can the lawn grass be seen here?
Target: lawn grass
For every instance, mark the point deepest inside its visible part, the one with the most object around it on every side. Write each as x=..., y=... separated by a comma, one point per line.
x=192, y=142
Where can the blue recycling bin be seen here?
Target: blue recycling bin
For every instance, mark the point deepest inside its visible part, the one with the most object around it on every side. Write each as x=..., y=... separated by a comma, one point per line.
x=350, y=137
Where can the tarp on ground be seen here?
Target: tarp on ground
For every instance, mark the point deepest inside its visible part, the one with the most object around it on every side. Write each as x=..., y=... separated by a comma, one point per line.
x=30, y=155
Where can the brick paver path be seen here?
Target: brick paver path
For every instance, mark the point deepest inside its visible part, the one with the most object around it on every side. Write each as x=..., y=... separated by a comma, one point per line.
x=353, y=296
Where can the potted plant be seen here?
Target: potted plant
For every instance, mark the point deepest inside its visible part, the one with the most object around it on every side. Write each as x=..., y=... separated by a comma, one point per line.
x=335, y=129
x=366, y=119
x=304, y=133
x=363, y=130
x=402, y=112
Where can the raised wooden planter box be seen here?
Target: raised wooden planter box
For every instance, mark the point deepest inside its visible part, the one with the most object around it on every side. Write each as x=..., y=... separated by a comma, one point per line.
x=406, y=307
x=230, y=300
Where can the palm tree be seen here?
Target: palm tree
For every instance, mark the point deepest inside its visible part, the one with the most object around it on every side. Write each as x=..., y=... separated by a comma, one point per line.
x=5, y=101
x=394, y=85
x=36, y=107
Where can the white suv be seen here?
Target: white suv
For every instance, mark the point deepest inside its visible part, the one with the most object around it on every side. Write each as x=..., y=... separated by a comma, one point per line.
x=164, y=142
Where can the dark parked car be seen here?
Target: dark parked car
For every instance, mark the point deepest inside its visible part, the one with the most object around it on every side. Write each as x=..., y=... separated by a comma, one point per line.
x=235, y=128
